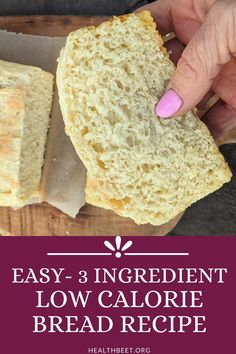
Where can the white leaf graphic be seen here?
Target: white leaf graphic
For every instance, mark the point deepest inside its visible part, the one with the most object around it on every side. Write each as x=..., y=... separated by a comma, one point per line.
x=118, y=248
x=118, y=242
x=109, y=245
x=127, y=245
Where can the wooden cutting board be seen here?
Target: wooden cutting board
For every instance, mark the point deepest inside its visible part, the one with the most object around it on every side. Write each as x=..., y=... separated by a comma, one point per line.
x=43, y=219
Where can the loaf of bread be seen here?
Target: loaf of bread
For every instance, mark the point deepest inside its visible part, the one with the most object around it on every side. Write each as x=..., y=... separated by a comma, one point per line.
x=25, y=106
x=138, y=165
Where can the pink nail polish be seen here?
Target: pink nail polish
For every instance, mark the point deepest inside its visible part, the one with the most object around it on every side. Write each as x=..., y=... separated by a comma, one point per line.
x=169, y=104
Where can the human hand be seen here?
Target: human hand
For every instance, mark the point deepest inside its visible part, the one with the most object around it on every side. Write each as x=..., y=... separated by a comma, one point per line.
x=207, y=65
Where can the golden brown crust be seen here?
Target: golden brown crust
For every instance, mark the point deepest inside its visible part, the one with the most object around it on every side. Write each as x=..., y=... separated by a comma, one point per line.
x=92, y=197
x=11, y=125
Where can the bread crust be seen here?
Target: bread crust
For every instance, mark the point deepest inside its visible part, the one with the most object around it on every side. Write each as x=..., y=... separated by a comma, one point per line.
x=11, y=123
x=14, y=78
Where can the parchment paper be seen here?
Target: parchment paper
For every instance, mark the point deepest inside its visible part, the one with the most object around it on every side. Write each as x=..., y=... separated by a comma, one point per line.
x=64, y=175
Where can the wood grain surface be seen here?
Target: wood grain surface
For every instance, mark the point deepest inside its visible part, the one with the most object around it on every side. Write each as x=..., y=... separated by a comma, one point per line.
x=43, y=219
x=58, y=26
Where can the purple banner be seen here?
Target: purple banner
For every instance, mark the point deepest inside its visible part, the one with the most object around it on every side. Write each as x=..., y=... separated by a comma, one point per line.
x=117, y=295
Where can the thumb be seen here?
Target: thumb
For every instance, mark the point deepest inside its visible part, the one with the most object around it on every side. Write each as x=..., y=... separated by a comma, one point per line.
x=209, y=49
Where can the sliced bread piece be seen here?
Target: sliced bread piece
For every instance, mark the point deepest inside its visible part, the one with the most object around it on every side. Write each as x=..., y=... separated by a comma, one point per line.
x=25, y=106
x=149, y=169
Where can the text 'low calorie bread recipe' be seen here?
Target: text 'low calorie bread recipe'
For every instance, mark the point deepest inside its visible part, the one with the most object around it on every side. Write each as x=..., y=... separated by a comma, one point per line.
x=149, y=169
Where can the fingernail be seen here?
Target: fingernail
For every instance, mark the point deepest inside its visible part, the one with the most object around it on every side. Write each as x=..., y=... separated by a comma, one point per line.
x=169, y=104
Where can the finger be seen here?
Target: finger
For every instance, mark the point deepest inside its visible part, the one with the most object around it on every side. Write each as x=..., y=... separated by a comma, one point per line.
x=210, y=48
x=175, y=49
x=225, y=83
x=220, y=119
x=188, y=16
x=206, y=103
x=224, y=86
x=161, y=12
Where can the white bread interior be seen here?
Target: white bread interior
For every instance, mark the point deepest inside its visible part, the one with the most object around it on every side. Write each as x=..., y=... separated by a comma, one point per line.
x=25, y=107
x=149, y=169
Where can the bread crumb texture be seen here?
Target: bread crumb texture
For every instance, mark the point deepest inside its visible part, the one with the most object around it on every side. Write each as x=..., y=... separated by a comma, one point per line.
x=25, y=106
x=140, y=166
